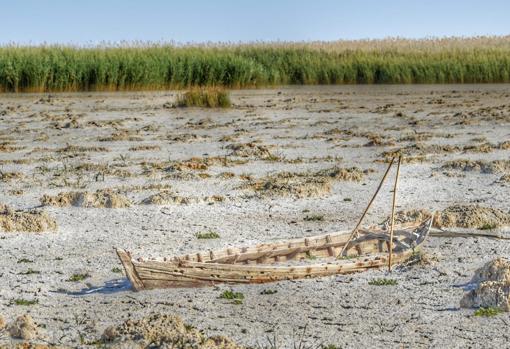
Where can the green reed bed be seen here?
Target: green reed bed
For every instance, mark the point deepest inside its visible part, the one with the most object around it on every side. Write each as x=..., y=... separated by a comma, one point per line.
x=148, y=67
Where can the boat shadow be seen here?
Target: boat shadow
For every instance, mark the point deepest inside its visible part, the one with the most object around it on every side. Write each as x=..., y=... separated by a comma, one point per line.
x=109, y=287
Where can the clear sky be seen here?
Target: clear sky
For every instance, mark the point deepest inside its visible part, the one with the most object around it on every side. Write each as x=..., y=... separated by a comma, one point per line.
x=93, y=21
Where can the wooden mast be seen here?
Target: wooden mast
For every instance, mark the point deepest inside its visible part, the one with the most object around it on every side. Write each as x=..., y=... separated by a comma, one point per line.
x=355, y=230
x=393, y=212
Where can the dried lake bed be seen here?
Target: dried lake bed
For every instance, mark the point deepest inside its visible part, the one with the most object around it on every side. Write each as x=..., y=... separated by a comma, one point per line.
x=93, y=171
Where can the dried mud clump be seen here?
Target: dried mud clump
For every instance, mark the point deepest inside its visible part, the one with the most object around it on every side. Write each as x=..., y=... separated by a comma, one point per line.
x=146, y=147
x=100, y=199
x=303, y=185
x=246, y=150
x=492, y=286
x=341, y=174
x=196, y=164
x=286, y=184
x=25, y=221
x=496, y=166
x=10, y=176
x=24, y=327
x=81, y=149
x=505, y=178
x=163, y=331
x=378, y=141
x=409, y=216
x=6, y=147
x=167, y=198
x=121, y=135
x=472, y=216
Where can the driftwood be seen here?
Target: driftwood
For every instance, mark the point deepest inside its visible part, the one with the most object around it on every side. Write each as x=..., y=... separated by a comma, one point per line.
x=287, y=260
x=440, y=233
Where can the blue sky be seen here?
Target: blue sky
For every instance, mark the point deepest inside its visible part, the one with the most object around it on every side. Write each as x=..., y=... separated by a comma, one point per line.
x=93, y=21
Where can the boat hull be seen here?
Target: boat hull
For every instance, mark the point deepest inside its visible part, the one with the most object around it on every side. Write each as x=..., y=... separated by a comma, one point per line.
x=262, y=263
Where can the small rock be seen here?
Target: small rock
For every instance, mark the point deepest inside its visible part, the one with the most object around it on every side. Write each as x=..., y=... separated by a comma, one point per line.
x=492, y=286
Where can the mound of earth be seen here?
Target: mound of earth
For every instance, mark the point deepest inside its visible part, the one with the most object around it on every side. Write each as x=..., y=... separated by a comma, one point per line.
x=23, y=327
x=472, y=216
x=99, y=199
x=162, y=331
x=25, y=221
x=492, y=286
x=461, y=216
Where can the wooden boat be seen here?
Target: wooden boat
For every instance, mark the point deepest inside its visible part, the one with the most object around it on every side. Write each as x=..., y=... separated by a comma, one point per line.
x=341, y=253
x=269, y=262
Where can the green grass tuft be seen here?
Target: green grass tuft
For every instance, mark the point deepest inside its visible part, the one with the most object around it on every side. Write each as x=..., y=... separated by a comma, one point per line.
x=208, y=235
x=383, y=282
x=25, y=260
x=78, y=277
x=488, y=226
x=268, y=291
x=26, y=302
x=487, y=312
x=229, y=294
x=314, y=218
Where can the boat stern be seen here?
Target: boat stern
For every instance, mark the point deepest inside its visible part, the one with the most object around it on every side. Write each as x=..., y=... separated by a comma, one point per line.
x=129, y=268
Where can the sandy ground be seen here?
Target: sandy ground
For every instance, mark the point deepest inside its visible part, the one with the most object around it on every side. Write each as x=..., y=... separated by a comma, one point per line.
x=88, y=141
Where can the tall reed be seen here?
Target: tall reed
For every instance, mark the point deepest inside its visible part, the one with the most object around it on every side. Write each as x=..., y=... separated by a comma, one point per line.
x=160, y=66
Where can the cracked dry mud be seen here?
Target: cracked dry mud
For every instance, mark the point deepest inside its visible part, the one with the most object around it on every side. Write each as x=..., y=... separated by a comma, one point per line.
x=252, y=173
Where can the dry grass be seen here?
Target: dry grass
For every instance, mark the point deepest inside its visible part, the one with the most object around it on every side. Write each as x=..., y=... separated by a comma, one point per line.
x=462, y=216
x=210, y=97
x=147, y=147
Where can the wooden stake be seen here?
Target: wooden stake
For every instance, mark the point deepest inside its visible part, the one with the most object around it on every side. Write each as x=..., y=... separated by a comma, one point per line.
x=355, y=230
x=393, y=212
